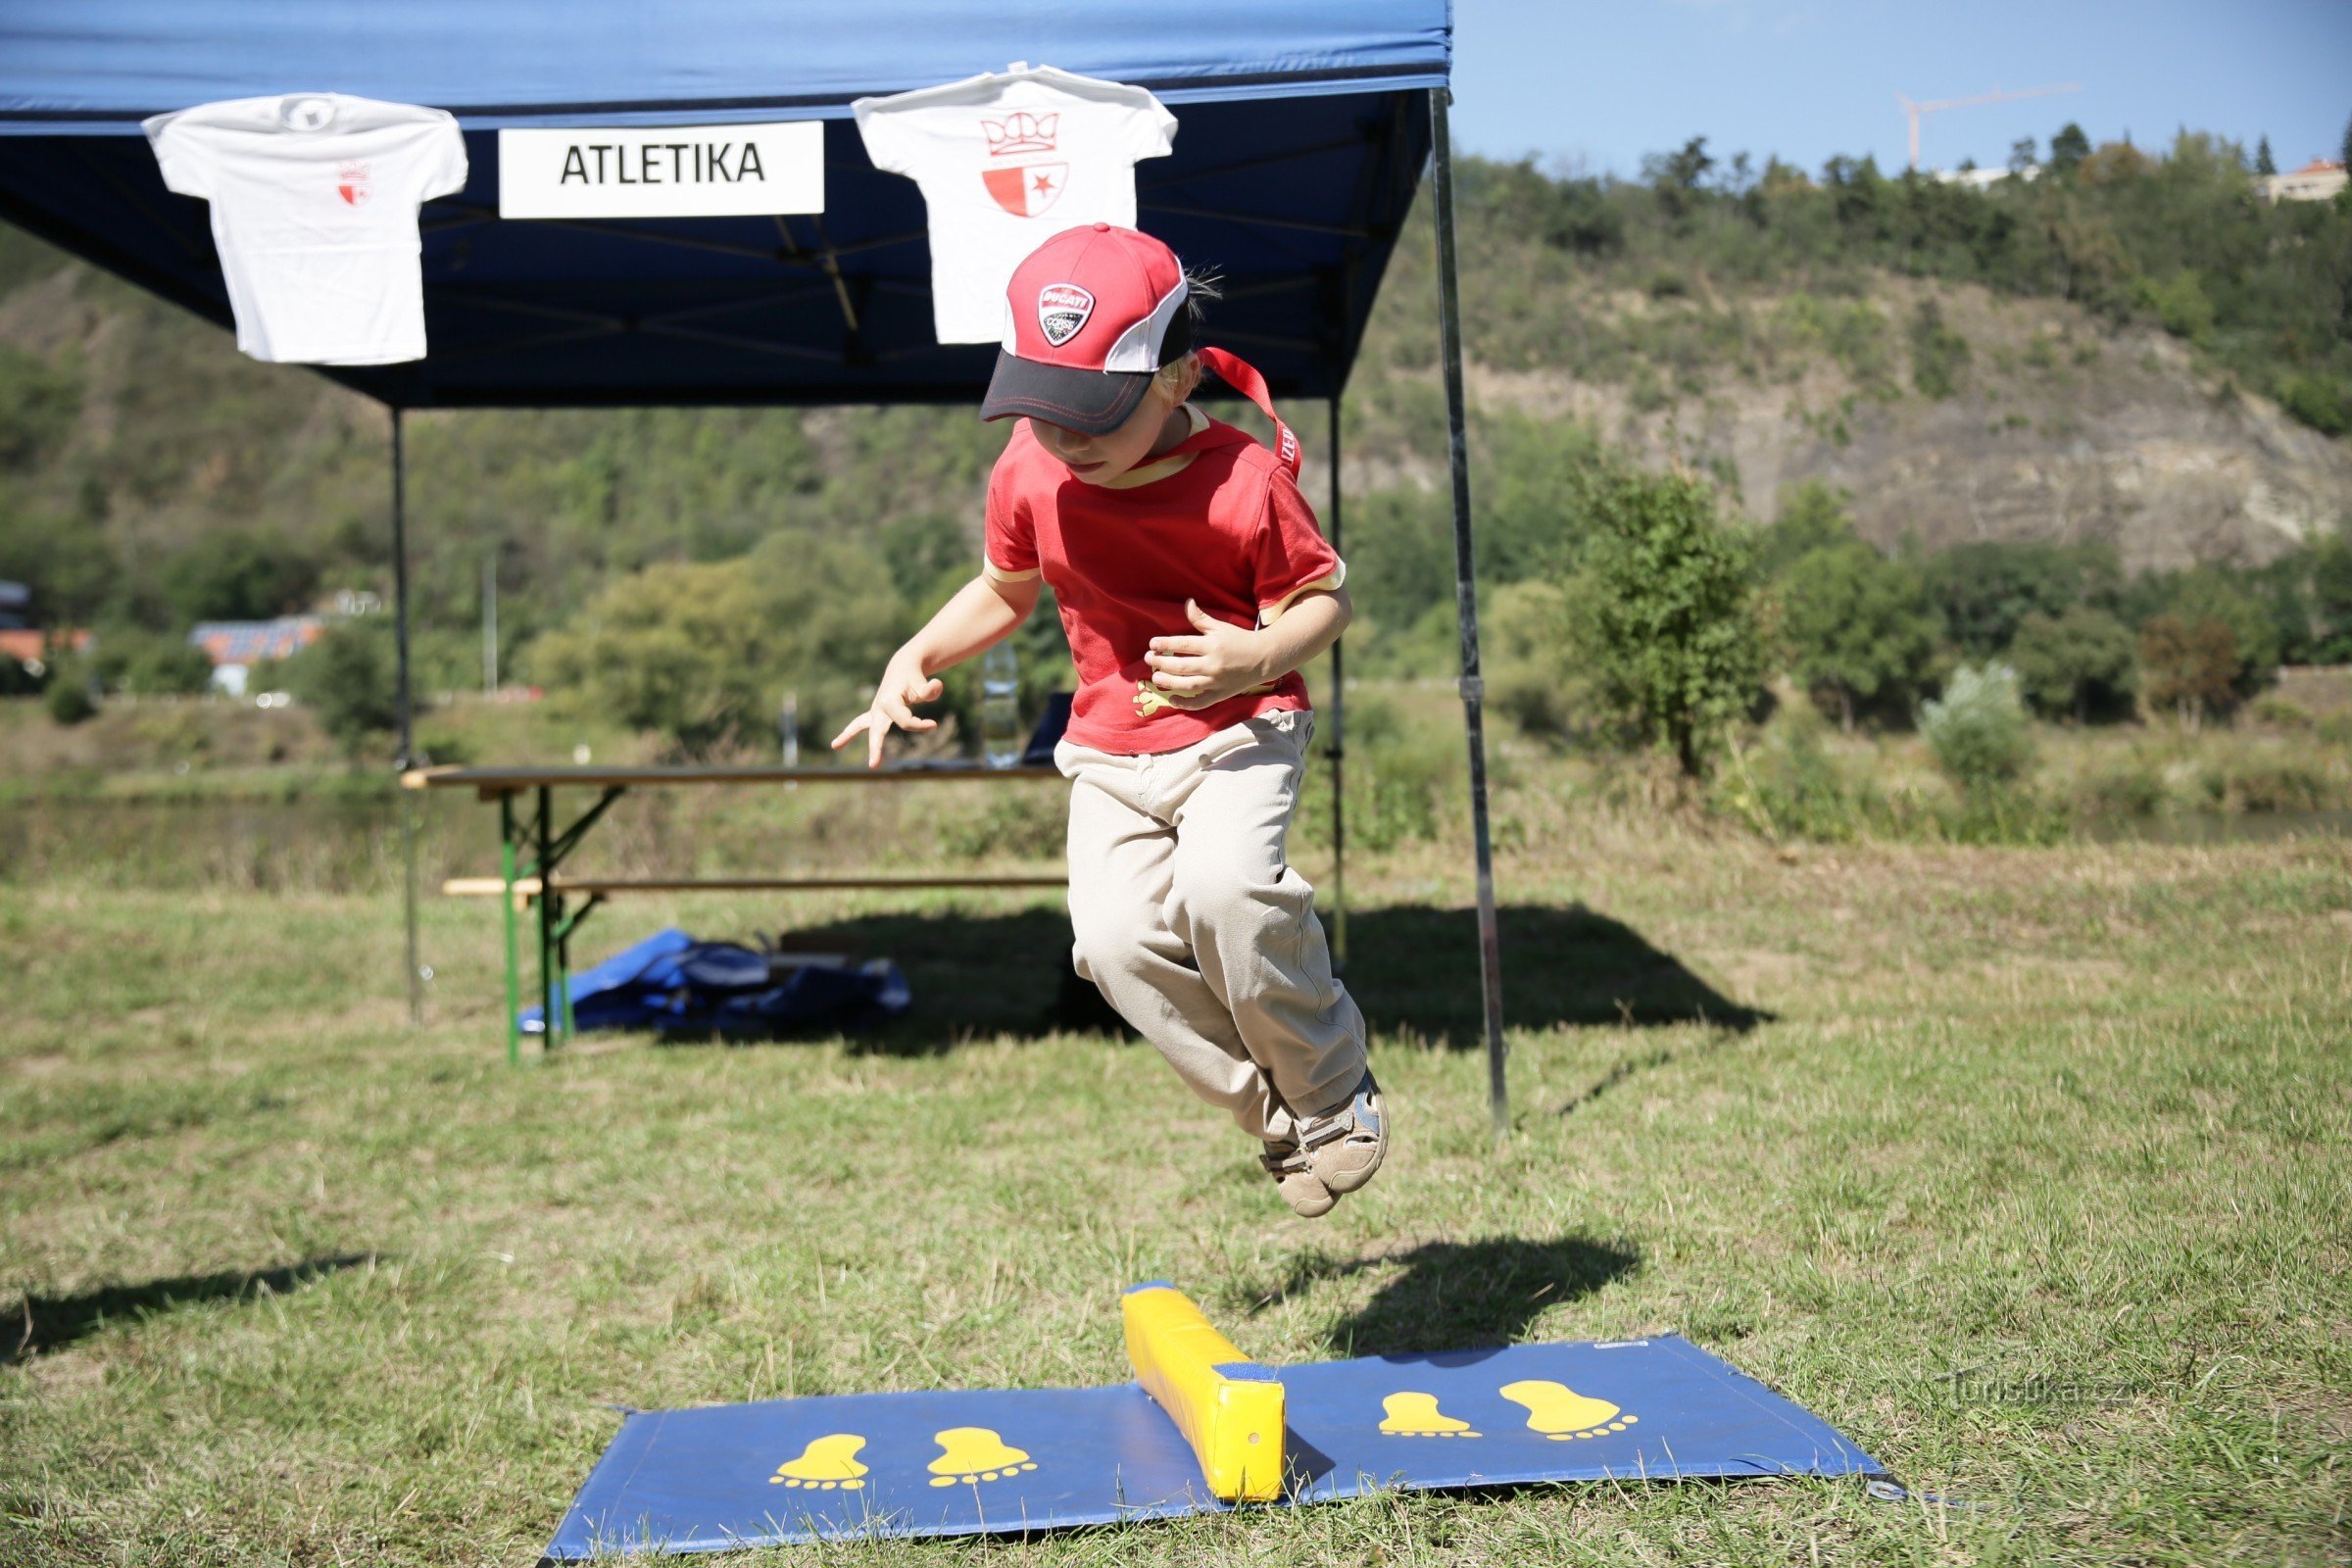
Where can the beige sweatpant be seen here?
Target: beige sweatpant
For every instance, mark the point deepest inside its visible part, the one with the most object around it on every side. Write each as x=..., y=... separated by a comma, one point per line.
x=1190, y=919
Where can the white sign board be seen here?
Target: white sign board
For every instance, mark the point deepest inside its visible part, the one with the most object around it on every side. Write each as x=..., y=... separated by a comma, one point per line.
x=662, y=171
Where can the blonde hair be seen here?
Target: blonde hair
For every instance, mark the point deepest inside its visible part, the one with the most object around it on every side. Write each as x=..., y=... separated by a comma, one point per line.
x=1200, y=287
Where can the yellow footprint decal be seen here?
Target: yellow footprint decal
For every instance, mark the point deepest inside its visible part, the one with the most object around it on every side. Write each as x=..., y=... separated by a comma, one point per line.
x=1559, y=1413
x=975, y=1454
x=828, y=1462
x=1416, y=1415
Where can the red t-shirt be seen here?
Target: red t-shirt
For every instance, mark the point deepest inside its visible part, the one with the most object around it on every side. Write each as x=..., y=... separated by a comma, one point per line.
x=1229, y=531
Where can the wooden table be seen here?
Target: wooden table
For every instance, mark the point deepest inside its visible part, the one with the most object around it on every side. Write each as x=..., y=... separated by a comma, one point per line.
x=532, y=849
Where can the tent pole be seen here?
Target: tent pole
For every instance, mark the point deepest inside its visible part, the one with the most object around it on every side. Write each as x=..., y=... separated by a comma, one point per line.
x=1338, y=749
x=404, y=707
x=1465, y=578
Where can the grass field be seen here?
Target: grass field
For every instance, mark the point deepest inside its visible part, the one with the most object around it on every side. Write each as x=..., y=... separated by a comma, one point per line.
x=299, y=1286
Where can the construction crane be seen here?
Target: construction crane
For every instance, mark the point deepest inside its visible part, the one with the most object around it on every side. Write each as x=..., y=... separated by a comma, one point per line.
x=1915, y=112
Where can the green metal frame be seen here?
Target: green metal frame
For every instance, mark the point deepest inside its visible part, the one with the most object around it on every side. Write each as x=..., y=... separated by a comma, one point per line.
x=547, y=849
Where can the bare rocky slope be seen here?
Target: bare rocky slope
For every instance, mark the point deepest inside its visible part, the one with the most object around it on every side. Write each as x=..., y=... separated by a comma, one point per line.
x=2061, y=429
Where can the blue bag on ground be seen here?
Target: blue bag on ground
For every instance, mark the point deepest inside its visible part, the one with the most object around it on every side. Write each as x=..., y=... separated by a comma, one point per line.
x=674, y=984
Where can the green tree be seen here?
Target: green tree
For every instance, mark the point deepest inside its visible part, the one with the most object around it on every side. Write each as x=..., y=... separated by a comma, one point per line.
x=37, y=406
x=149, y=663
x=237, y=576
x=2332, y=600
x=701, y=651
x=1977, y=731
x=2068, y=148
x=1859, y=627
x=68, y=565
x=2081, y=664
x=350, y=677
x=1812, y=514
x=1668, y=612
x=2263, y=163
x=2207, y=593
x=1674, y=176
x=1986, y=589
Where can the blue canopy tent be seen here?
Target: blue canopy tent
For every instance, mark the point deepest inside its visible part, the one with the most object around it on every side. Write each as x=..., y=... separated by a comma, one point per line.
x=1304, y=130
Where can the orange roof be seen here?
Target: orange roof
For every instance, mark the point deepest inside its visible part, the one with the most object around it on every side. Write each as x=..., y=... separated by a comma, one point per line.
x=26, y=643
x=2319, y=165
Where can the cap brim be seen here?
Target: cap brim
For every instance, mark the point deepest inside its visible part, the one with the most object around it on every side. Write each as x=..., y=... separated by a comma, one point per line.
x=1090, y=402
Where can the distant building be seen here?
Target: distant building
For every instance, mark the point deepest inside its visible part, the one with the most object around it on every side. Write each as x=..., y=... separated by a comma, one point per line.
x=2315, y=181
x=235, y=646
x=30, y=646
x=1984, y=178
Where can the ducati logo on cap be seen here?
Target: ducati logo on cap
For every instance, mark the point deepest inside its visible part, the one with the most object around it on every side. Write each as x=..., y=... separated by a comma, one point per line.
x=1062, y=310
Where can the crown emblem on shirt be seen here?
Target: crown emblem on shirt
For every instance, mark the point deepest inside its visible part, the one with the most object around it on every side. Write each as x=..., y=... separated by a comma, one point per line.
x=354, y=183
x=1020, y=132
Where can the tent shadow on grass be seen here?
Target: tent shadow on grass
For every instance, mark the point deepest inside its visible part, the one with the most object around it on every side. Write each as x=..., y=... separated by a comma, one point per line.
x=1412, y=969
x=1449, y=1295
x=34, y=1324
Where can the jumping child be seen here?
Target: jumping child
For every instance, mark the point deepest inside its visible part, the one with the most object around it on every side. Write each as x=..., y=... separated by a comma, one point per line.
x=1193, y=584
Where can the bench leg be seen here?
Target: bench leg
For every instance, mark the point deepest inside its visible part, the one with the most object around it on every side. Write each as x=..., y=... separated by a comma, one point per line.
x=506, y=904
x=549, y=1007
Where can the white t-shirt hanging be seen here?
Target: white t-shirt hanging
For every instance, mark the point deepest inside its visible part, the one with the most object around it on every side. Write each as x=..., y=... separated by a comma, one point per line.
x=1005, y=162
x=315, y=200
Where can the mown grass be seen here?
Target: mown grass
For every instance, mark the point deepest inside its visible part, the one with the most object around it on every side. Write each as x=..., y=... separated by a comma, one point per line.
x=298, y=1285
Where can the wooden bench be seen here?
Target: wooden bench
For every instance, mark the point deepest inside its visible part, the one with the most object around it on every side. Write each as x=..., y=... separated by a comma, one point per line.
x=532, y=849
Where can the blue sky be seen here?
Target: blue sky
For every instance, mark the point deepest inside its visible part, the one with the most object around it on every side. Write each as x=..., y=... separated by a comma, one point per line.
x=1600, y=85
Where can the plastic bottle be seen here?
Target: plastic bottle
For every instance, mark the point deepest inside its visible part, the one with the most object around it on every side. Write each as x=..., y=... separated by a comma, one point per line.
x=1000, y=735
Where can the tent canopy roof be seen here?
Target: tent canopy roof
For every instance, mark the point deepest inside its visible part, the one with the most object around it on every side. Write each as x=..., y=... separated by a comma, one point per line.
x=1301, y=136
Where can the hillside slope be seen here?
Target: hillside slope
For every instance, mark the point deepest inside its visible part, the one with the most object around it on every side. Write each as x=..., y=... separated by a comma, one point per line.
x=1734, y=327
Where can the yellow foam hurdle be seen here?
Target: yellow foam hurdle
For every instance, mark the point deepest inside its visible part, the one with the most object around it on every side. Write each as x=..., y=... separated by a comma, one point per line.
x=1228, y=1408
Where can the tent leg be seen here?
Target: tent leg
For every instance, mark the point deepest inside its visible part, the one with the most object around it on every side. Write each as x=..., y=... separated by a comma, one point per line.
x=1465, y=577
x=1338, y=749
x=406, y=708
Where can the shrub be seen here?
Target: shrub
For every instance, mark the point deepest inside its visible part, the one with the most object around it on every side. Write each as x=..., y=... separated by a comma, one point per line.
x=1532, y=676
x=1978, y=731
x=2190, y=668
x=69, y=698
x=150, y=664
x=2131, y=789
x=2282, y=712
x=1938, y=354
x=351, y=678
x=2322, y=402
x=1790, y=788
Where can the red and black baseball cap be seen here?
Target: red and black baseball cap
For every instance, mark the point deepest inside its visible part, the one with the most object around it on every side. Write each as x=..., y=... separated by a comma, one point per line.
x=1090, y=315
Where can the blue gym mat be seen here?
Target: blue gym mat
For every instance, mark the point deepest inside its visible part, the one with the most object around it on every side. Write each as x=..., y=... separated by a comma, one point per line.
x=1011, y=1461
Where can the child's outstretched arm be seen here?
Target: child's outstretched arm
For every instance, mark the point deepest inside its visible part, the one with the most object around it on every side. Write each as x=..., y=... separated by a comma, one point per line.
x=982, y=615
x=1223, y=659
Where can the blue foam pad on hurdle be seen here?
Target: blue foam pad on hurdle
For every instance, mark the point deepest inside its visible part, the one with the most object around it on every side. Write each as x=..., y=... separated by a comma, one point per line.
x=1017, y=1461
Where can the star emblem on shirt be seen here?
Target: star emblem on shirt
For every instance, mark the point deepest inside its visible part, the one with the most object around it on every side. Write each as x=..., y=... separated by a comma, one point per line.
x=1045, y=184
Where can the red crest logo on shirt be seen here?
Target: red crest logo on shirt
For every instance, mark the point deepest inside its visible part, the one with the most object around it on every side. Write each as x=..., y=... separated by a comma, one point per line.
x=1062, y=310
x=353, y=183
x=1020, y=132
x=1027, y=190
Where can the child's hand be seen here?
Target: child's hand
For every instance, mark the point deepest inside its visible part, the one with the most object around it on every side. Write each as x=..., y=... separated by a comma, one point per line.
x=902, y=685
x=1200, y=672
